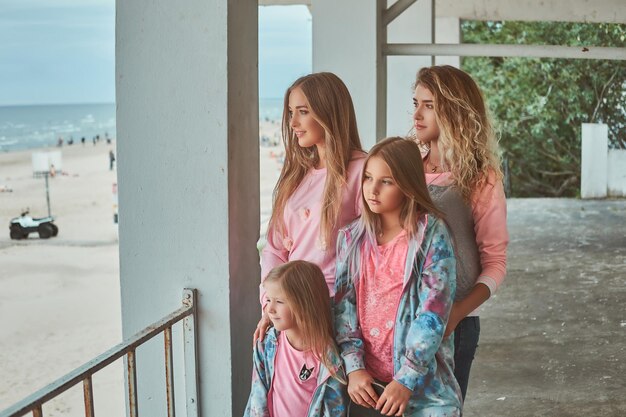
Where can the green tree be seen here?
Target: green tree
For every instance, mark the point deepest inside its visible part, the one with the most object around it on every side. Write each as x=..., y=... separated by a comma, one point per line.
x=539, y=104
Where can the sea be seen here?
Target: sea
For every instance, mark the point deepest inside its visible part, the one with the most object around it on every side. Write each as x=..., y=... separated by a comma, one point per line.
x=41, y=126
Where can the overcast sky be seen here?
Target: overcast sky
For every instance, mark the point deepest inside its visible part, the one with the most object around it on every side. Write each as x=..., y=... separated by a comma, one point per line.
x=63, y=51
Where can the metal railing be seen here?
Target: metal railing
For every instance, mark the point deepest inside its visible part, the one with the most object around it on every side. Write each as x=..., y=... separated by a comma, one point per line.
x=187, y=313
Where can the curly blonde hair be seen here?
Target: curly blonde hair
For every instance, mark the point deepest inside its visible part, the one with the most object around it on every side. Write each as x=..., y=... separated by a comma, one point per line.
x=467, y=141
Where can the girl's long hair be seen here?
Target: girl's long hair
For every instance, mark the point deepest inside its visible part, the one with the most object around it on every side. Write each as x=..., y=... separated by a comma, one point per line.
x=331, y=106
x=307, y=293
x=467, y=142
x=405, y=163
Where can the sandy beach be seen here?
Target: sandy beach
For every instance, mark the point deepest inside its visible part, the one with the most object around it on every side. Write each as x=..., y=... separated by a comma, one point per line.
x=60, y=297
x=62, y=294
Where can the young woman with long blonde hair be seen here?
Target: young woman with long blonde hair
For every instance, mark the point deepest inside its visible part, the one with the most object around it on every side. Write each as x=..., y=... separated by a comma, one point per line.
x=462, y=168
x=297, y=369
x=395, y=287
x=318, y=189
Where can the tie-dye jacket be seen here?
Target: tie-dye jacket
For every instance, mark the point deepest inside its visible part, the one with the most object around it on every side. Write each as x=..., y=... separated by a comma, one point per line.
x=423, y=362
x=330, y=398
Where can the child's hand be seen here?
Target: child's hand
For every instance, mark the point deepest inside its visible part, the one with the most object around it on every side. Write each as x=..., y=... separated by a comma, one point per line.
x=360, y=388
x=394, y=399
x=261, y=328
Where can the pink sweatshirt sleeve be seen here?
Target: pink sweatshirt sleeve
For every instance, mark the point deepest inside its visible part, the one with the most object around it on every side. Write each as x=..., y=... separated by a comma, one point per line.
x=273, y=254
x=492, y=236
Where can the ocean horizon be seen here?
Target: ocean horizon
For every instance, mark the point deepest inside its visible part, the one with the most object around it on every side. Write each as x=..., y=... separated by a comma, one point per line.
x=24, y=127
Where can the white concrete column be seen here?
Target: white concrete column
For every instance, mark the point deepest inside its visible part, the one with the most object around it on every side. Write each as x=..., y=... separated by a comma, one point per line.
x=412, y=26
x=448, y=30
x=616, y=173
x=187, y=135
x=593, y=165
x=346, y=42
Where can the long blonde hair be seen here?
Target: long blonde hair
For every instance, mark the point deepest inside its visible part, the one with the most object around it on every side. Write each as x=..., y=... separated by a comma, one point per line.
x=331, y=106
x=405, y=163
x=307, y=293
x=467, y=142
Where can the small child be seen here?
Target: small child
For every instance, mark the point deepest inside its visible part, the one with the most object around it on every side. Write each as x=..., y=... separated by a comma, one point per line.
x=395, y=287
x=297, y=369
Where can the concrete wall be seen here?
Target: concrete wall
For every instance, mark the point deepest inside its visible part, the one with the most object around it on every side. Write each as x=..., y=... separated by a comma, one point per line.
x=351, y=51
x=448, y=30
x=603, y=170
x=616, y=175
x=344, y=42
x=188, y=169
x=412, y=26
x=593, y=162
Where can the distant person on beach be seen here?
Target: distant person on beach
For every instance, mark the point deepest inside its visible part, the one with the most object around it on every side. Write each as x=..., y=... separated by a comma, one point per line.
x=60, y=141
x=111, y=160
x=462, y=167
x=318, y=190
x=82, y=140
x=70, y=141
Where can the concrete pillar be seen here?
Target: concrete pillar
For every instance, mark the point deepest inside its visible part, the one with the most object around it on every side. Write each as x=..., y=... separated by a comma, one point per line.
x=616, y=173
x=593, y=166
x=346, y=42
x=448, y=30
x=187, y=136
x=412, y=26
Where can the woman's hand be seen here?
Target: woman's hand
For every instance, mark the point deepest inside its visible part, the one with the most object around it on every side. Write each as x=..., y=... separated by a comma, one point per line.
x=394, y=399
x=453, y=320
x=479, y=294
x=360, y=388
x=261, y=328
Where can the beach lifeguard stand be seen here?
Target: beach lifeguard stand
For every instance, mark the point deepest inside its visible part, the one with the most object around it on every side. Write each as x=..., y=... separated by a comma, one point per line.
x=47, y=164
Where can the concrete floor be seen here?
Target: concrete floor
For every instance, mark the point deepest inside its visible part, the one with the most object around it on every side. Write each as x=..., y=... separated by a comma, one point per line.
x=553, y=340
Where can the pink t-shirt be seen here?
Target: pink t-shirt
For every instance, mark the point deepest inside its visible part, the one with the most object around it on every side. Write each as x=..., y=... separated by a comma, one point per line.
x=294, y=382
x=379, y=292
x=302, y=217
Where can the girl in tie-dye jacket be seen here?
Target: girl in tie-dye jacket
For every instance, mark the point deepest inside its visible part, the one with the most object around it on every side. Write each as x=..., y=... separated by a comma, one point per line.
x=329, y=400
x=394, y=292
x=297, y=368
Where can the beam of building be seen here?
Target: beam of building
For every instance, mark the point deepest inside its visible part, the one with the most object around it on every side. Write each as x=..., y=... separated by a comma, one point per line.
x=284, y=2
x=599, y=11
x=396, y=10
x=529, y=51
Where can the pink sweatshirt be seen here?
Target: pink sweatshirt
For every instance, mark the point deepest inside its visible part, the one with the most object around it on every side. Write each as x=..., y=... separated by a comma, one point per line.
x=492, y=237
x=302, y=217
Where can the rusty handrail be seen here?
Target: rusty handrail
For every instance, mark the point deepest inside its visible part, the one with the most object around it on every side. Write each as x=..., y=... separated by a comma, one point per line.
x=34, y=402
